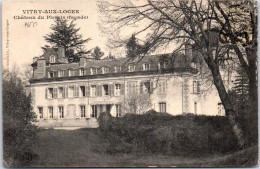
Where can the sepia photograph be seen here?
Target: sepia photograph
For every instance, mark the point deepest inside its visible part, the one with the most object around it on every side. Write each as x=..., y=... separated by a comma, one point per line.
x=129, y=83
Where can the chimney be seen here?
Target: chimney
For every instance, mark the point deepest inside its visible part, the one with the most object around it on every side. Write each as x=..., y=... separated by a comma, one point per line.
x=188, y=53
x=61, y=52
x=41, y=68
x=82, y=61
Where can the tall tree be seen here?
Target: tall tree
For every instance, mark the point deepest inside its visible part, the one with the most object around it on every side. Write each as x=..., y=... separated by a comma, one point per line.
x=199, y=23
x=19, y=134
x=97, y=53
x=133, y=49
x=65, y=34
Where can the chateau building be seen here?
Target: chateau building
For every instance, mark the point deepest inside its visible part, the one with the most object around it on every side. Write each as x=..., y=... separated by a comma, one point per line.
x=74, y=94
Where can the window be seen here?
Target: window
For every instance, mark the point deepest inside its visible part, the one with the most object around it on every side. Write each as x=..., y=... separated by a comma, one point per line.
x=93, y=90
x=105, y=90
x=161, y=65
x=72, y=72
x=61, y=73
x=82, y=91
x=131, y=88
x=146, y=66
x=61, y=92
x=131, y=68
x=147, y=87
x=51, y=75
x=50, y=93
x=162, y=107
x=94, y=111
x=132, y=108
x=50, y=111
x=118, y=110
x=220, y=109
x=162, y=87
x=117, y=69
x=82, y=72
x=196, y=87
x=82, y=111
x=61, y=112
x=93, y=71
x=52, y=59
x=40, y=110
x=71, y=92
x=105, y=70
x=117, y=89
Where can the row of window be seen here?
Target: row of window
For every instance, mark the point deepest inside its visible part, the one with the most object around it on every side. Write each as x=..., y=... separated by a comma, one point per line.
x=72, y=111
x=103, y=90
x=94, y=70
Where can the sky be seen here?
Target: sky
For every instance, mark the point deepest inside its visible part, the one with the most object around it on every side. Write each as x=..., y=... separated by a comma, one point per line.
x=23, y=38
x=25, y=23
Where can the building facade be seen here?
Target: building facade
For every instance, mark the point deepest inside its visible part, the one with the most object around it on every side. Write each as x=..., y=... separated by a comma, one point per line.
x=74, y=94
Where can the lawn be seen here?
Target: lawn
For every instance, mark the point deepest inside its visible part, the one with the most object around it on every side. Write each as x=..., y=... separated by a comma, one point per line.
x=86, y=148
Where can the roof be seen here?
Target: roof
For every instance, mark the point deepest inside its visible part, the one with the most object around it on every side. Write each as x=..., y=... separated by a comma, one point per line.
x=152, y=59
x=174, y=63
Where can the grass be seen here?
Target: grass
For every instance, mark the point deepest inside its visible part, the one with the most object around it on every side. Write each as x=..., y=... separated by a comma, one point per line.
x=87, y=148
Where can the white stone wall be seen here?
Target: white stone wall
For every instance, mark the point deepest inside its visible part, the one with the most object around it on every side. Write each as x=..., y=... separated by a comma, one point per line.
x=178, y=96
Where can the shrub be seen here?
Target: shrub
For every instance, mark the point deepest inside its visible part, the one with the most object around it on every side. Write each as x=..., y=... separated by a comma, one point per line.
x=162, y=133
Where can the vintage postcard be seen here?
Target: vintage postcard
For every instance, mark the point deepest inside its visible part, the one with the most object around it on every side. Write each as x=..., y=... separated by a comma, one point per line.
x=130, y=83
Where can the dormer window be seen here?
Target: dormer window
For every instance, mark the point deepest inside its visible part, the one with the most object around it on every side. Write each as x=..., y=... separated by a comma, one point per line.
x=146, y=66
x=105, y=70
x=131, y=68
x=82, y=72
x=93, y=70
x=51, y=75
x=117, y=69
x=72, y=72
x=161, y=65
x=61, y=73
x=52, y=59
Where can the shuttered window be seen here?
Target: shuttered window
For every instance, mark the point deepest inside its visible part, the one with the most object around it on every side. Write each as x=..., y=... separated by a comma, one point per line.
x=71, y=91
x=61, y=92
x=105, y=90
x=93, y=90
x=196, y=87
x=50, y=112
x=131, y=88
x=94, y=111
x=162, y=107
x=61, y=112
x=40, y=110
x=117, y=89
x=82, y=91
x=118, y=110
x=161, y=87
x=82, y=111
x=50, y=93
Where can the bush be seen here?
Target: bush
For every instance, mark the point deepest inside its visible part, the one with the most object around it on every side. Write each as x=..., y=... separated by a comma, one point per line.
x=162, y=133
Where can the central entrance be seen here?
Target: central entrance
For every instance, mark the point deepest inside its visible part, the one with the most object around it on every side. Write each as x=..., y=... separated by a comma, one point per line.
x=100, y=108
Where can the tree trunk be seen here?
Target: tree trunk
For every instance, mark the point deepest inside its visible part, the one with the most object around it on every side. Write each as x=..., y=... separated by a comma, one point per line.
x=253, y=99
x=226, y=101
